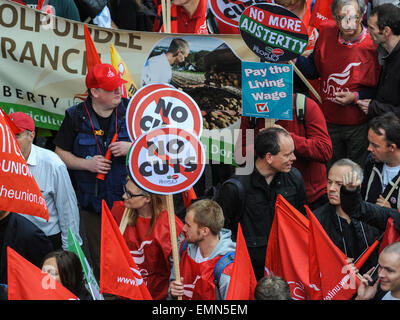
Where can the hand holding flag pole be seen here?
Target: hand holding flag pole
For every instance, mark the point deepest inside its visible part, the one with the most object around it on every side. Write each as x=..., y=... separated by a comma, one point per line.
x=101, y=176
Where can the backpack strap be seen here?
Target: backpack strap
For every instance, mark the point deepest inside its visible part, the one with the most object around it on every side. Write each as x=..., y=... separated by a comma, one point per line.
x=300, y=104
x=226, y=260
x=183, y=247
x=241, y=194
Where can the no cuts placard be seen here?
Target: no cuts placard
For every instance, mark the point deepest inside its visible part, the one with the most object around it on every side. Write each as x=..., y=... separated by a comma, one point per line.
x=133, y=102
x=166, y=160
x=166, y=107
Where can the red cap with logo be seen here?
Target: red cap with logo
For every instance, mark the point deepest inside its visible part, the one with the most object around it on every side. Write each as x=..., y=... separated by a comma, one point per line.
x=22, y=121
x=103, y=76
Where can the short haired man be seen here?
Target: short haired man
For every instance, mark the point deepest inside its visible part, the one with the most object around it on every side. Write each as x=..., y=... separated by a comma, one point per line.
x=207, y=242
x=382, y=168
x=313, y=146
x=273, y=174
x=54, y=182
x=384, y=29
x=349, y=234
x=84, y=137
x=351, y=73
x=272, y=288
x=388, y=277
x=158, y=69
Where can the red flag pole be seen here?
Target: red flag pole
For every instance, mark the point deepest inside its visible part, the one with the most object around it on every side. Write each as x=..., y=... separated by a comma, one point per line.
x=365, y=255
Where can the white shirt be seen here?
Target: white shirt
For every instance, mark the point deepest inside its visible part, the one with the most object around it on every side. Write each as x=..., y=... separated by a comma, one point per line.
x=388, y=173
x=388, y=296
x=157, y=70
x=52, y=177
x=199, y=257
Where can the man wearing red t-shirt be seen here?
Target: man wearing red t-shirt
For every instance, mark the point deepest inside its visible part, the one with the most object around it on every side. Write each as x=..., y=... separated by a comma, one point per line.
x=346, y=61
x=187, y=16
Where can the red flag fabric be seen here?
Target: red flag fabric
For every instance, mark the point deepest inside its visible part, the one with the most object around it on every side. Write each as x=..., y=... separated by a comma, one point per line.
x=119, y=274
x=287, y=251
x=188, y=197
x=321, y=13
x=92, y=56
x=243, y=281
x=28, y=282
x=19, y=191
x=391, y=235
x=330, y=276
x=39, y=5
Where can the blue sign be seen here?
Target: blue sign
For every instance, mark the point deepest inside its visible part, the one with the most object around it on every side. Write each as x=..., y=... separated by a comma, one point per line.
x=267, y=90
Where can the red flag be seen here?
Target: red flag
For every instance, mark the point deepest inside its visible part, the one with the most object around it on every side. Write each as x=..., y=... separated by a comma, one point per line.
x=391, y=235
x=330, y=276
x=28, y=282
x=188, y=197
x=92, y=56
x=321, y=13
x=119, y=274
x=243, y=281
x=39, y=5
x=19, y=191
x=287, y=251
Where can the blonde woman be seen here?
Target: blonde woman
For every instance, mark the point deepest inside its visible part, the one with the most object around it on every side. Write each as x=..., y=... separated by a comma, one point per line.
x=147, y=236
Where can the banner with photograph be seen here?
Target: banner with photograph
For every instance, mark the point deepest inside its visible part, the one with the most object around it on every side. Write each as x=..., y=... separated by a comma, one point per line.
x=43, y=69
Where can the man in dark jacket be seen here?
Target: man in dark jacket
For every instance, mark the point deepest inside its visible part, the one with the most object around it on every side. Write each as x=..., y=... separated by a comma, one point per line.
x=273, y=174
x=24, y=237
x=382, y=169
x=349, y=234
x=384, y=28
x=82, y=141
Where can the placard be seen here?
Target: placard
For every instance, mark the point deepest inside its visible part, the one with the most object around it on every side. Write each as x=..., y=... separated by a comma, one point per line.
x=267, y=90
x=273, y=32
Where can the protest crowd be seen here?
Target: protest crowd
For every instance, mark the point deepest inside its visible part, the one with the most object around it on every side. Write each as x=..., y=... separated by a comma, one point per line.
x=316, y=218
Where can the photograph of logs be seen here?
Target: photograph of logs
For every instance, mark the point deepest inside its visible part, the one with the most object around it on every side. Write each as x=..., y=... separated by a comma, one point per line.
x=211, y=75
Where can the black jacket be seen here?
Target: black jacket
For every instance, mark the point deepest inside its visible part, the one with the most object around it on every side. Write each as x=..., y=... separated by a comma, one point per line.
x=372, y=185
x=26, y=239
x=259, y=206
x=388, y=92
x=370, y=213
x=352, y=238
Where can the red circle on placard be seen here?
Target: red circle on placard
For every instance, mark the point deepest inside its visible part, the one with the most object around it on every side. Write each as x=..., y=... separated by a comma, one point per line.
x=130, y=111
x=142, y=142
x=168, y=92
x=221, y=16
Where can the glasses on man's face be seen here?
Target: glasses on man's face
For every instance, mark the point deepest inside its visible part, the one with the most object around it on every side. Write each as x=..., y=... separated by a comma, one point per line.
x=347, y=18
x=131, y=195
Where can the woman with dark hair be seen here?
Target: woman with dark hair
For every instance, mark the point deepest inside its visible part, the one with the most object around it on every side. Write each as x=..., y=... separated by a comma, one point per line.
x=147, y=235
x=66, y=268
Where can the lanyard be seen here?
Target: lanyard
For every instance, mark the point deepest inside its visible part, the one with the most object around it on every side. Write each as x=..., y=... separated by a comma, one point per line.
x=94, y=131
x=344, y=241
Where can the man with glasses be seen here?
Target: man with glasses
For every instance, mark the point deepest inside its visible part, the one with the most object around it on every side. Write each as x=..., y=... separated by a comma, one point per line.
x=346, y=61
x=384, y=29
x=82, y=142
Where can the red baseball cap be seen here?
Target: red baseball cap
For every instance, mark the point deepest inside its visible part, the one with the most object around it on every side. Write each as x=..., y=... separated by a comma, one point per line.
x=22, y=121
x=103, y=76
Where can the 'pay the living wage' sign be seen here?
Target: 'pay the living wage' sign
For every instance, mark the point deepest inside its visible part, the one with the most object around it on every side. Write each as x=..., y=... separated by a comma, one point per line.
x=267, y=90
